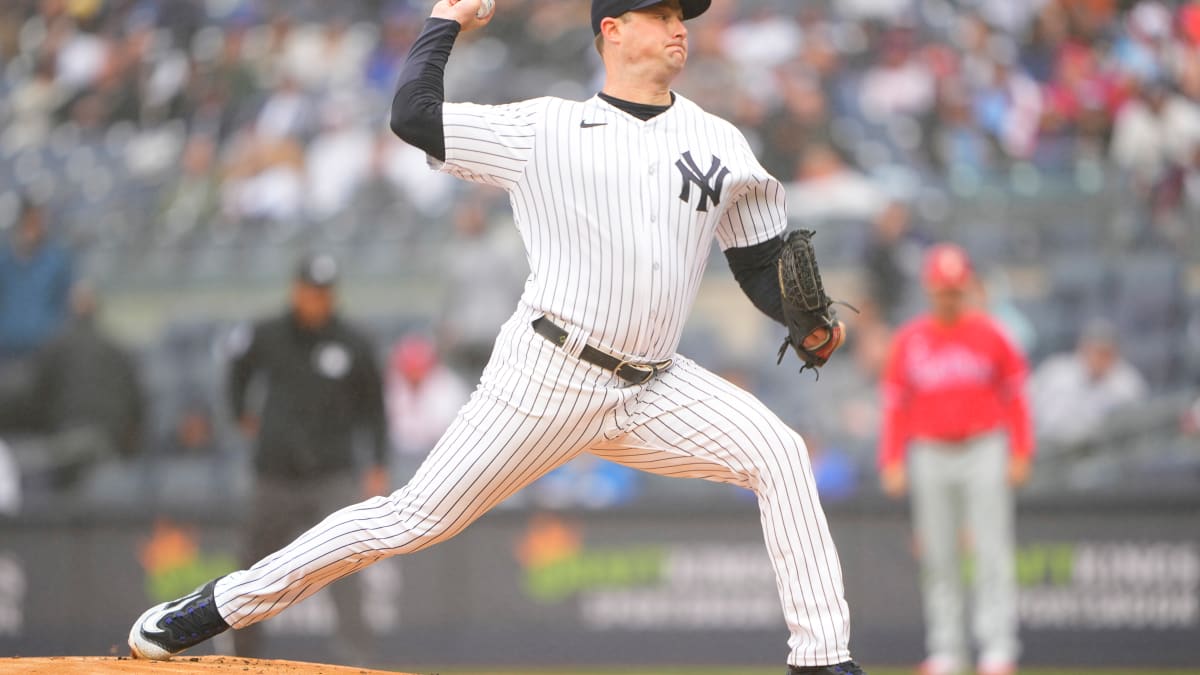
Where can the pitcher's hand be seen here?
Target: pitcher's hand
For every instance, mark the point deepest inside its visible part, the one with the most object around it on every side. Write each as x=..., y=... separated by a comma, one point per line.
x=465, y=12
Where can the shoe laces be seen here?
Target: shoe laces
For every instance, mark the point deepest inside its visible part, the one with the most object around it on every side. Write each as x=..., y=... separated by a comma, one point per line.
x=193, y=621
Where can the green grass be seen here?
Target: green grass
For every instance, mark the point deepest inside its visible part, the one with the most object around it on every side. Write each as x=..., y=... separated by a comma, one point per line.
x=780, y=670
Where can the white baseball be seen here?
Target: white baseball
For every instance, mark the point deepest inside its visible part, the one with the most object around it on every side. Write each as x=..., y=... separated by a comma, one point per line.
x=485, y=8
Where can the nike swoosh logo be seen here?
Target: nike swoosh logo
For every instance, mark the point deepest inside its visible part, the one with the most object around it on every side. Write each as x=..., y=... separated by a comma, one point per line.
x=589, y=125
x=149, y=625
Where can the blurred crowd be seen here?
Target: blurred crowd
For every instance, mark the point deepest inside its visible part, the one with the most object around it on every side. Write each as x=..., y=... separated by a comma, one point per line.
x=281, y=104
x=271, y=112
x=170, y=143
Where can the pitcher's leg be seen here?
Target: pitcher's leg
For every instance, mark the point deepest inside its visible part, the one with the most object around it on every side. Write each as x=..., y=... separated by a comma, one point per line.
x=272, y=524
x=489, y=452
x=354, y=642
x=692, y=423
x=990, y=517
x=935, y=508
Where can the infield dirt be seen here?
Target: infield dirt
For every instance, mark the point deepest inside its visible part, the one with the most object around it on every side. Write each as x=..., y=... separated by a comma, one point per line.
x=119, y=665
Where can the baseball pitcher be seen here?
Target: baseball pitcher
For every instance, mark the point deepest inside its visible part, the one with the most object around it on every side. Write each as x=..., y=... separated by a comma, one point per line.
x=617, y=199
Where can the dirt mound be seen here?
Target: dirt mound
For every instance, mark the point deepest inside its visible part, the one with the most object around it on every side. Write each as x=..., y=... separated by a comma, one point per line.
x=89, y=665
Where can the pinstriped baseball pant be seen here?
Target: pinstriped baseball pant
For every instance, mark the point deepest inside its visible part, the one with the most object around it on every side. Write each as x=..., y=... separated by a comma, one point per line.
x=537, y=407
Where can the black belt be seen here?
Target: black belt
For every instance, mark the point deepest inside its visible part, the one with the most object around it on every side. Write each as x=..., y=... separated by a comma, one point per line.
x=633, y=373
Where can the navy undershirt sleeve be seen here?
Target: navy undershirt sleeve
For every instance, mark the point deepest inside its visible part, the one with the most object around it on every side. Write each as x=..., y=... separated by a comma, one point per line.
x=755, y=268
x=417, y=106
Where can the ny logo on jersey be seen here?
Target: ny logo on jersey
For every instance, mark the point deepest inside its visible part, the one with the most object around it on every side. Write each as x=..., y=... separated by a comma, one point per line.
x=710, y=187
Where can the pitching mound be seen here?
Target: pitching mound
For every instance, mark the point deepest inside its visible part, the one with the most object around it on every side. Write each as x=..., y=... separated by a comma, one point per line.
x=88, y=665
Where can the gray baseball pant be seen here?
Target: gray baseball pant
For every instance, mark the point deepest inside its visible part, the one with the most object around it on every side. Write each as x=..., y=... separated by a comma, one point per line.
x=959, y=487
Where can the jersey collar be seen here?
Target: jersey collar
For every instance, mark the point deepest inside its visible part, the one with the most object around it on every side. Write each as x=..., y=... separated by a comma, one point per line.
x=609, y=108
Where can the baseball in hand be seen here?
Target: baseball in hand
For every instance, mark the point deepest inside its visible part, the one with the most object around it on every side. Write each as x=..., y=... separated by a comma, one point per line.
x=485, y=8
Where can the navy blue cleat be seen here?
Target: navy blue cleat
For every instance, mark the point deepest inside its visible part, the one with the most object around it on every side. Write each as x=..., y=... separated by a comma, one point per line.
x=172, y=627
x=847, y=668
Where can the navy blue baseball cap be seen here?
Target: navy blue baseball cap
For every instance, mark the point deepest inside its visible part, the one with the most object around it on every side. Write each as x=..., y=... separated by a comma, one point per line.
x=614, y=8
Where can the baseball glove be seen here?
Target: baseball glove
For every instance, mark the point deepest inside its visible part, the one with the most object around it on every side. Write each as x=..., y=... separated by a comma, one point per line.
x=806, y=308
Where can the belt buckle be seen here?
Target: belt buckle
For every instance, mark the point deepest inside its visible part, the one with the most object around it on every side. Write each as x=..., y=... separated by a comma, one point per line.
x=646, y=370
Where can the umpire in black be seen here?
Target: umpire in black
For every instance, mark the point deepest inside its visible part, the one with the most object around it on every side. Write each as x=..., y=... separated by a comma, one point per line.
x=322, y=392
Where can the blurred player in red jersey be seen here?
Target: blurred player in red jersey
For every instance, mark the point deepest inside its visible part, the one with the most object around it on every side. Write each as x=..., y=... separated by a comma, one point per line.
x=954, y=408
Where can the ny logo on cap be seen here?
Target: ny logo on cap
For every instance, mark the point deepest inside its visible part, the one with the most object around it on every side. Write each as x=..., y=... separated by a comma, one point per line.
x=710, y=183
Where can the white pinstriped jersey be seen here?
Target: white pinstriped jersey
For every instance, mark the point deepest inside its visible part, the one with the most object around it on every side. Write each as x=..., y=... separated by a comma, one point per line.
x=617, y=214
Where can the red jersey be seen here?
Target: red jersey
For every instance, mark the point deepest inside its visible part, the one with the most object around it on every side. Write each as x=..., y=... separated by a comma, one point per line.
x=950, y=383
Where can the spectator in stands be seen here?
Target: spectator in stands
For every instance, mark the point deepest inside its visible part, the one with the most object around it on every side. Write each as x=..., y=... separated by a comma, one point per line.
x=1049, y=30
x=1154, y=137
x=801, y=119
x=422, y=397
x=339, y=159
x=1083, y=95
x=820, y=54
x=264, y=182
x=81, y=47
x=31, y=106
x=84, y=404
x=1189, y=25
x=1073, y=394
x=322, y=387
x=956, y=142
x=220, y=90
x=892, y=261
x=328, y=58
x=901, y=83
x=1009, y=107
x=381, y=68
x=404, y=169
x=485, y=271
x=1154, y=131
x=979, y=45
x=763, y=40
x=287, y=113
x=194, y=199
x=1139, y=50
x=1187, y=72
x=229, y=71
x=35, y=284
x=956, y=429
x=826, y=188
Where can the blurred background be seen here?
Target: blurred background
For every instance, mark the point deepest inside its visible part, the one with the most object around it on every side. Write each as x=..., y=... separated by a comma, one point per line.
x=165, y=163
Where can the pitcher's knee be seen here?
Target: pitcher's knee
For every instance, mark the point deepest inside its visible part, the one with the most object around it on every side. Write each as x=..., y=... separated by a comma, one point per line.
x=782, y=463
x=413, y=528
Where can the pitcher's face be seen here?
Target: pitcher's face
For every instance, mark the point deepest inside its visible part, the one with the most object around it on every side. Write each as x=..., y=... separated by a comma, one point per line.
x=657, y=34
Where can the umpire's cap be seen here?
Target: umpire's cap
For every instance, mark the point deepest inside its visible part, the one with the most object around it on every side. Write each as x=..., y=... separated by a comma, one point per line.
x=317, y=269
x=602, y=9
